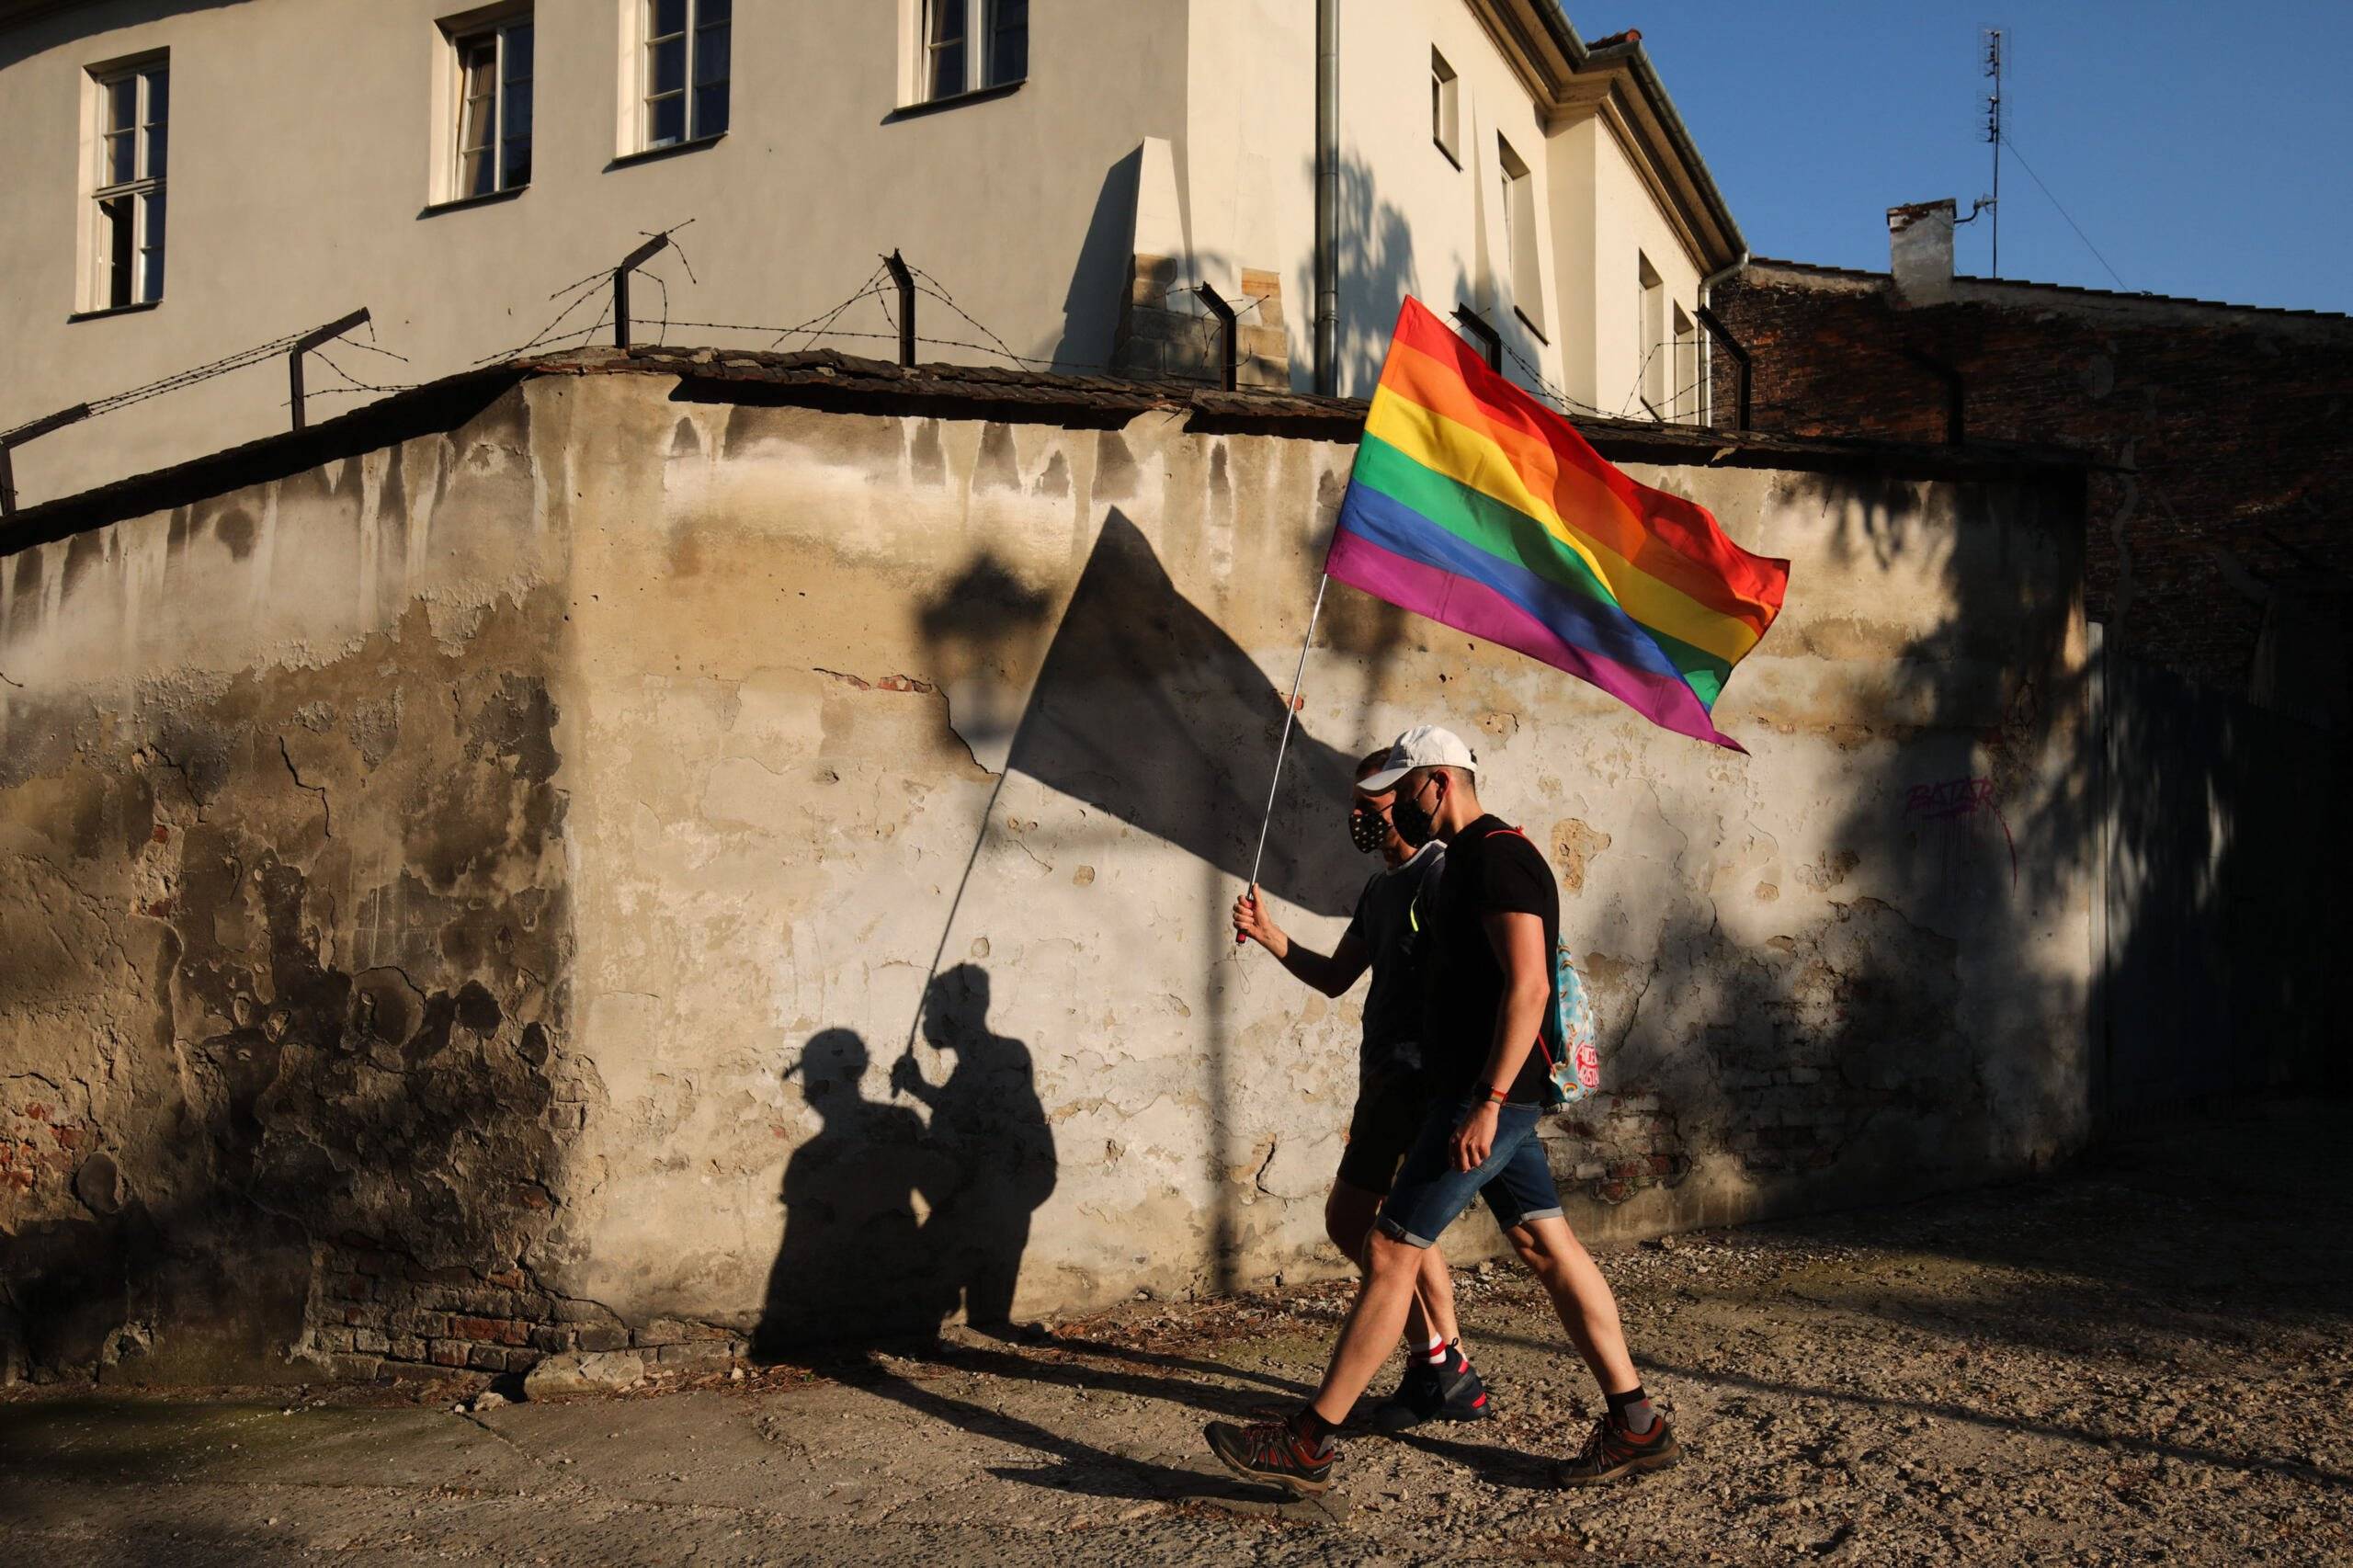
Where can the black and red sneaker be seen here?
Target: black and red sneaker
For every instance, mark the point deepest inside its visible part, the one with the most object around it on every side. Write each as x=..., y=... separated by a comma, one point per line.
x=1613, y=1451
x=1448, y=1392
x=1274, y=1452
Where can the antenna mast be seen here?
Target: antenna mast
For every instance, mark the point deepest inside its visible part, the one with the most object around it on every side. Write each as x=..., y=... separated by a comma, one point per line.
x=1994, y=39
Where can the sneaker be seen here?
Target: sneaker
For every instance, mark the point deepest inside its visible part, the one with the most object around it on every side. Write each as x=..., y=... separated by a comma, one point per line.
x=1272, y=1452
x=1613, y=1451
x=1434, y=1393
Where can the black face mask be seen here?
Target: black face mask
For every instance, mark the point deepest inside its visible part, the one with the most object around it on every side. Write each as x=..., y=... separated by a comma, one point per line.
x=1415, y=825
x=1365, y=830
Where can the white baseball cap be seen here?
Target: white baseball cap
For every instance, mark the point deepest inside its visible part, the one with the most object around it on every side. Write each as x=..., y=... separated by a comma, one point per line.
x=1424, y=745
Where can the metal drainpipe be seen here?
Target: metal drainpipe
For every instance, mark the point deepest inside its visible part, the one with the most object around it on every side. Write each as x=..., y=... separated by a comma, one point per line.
x=1327, y=196
x=1708, y=346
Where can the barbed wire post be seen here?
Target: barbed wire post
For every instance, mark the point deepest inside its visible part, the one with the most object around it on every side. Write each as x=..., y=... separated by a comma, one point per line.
x=1490, y=341
x=1229, y=335
x=19, y=437
x=630, y=264
x=906, y=282
x=309, y=341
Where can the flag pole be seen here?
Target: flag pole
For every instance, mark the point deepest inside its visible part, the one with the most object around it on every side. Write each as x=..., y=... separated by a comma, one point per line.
x=1290, y=711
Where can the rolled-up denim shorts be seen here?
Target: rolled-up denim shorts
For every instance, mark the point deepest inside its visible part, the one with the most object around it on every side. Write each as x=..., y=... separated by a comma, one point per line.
x=1516, y=1180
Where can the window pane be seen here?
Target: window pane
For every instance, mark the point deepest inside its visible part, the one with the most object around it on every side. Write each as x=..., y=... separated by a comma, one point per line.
x=518, y=162
x=665, y=120
x=474, y=171
x=711, y=109
x=947, y=21
x=519, y=53
x=665, y=17
x=1010, y=42
x=711, y=53
x=116, y=167
x=114, y=243
x=948, y=70
x=150, y=258
x=713, y=13
x=514, y=119
x=158, y=143
x=122, y=103
x=667, y=70
x=159, y=95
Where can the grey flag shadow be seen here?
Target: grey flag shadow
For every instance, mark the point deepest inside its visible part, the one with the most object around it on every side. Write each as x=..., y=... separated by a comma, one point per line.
x=1146, y=710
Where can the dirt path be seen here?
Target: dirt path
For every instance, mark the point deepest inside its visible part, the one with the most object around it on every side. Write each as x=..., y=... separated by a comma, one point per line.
x=2146, y=1360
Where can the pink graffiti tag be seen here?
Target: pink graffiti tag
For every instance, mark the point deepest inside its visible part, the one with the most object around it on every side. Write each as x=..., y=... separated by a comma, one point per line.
x=1957, y=798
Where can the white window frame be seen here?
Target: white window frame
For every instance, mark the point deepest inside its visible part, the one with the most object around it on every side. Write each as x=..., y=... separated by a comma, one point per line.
x=1683, y=400
x=1446, y=108
x=638, y=94
x=1652, y=349
x=146, y=189
x=984, y=70
x=449, y=184
x=1523, y=267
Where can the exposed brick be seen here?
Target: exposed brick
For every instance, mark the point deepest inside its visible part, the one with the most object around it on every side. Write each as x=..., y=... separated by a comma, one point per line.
x=602, y=1337
x=448, y=1352
x=2226, y=413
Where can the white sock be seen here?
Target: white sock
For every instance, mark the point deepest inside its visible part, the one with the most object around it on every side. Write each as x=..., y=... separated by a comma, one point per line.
x=1434, y=1353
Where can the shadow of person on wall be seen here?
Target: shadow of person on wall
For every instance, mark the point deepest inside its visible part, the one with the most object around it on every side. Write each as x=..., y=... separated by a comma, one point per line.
x=855, y=1264
x=989, y=1130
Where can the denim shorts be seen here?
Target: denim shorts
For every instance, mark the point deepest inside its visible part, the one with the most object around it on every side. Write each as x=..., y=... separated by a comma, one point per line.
x=1516, y=1180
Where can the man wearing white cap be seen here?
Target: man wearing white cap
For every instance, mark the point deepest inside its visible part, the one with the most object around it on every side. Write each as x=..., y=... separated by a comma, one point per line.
x=1490, y=1040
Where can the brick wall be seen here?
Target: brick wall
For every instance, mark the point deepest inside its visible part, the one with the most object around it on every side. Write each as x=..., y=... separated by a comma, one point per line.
x=2227, y=528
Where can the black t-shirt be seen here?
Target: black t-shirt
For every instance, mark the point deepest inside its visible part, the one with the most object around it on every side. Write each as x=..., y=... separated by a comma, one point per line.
x=1383, y=926
x=1490, y=869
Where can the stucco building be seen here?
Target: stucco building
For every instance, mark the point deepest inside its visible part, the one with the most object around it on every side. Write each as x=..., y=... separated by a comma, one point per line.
x=186, y=181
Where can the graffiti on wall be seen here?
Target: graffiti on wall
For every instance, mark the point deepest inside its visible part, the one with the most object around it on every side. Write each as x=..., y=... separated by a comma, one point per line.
x=1959, y=806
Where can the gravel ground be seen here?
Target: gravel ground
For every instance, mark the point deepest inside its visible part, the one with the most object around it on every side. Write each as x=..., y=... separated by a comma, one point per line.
x=2144, y=1360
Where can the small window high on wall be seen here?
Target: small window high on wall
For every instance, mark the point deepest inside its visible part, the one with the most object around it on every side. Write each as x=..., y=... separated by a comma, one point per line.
x=971, y=45
x=1651, y=386
x=490, y=141
x=129, y=121
x=1517, y=195
x=1445, y=113
x=685, y=72
x=1683, y=402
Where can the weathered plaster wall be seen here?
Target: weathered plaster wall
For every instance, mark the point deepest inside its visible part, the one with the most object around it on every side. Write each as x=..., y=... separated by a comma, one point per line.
x=283, y=927
x=1852, y=963
x=777, y=870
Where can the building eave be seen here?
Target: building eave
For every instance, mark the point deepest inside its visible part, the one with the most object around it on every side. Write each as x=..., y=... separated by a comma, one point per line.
x=1619, y=82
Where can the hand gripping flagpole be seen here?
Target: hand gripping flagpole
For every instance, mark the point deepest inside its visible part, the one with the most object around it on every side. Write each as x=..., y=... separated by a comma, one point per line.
x=1290, y=711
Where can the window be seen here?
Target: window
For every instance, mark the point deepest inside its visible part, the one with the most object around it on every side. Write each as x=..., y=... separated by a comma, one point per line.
x=1442, y=108
x=968, y=45
x=1518, y=200
x=1650, y=337
x=131, y=133
x=493, y=140
x=684, y=72
x=1683, y=402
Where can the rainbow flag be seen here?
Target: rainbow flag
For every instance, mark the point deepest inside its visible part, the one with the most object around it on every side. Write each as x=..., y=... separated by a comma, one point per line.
x=1475, y=505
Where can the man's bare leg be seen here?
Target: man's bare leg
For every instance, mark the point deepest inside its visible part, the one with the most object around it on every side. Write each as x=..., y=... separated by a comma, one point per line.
x=1588, y=1307
x=1348, y=1219
x=1375, y=1320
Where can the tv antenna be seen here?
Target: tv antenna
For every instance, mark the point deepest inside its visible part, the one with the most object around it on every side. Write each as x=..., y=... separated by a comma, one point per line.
x=1994, y=41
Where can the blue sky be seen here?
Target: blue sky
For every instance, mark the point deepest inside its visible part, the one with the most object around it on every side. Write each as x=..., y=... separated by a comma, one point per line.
x=2206, y=150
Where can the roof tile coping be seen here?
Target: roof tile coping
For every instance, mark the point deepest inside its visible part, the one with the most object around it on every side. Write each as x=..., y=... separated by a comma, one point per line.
x=827, y=378
x=2139, y=297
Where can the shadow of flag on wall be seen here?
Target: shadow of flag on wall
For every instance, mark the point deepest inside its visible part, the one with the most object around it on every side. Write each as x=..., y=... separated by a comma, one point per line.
x=1146, y=710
